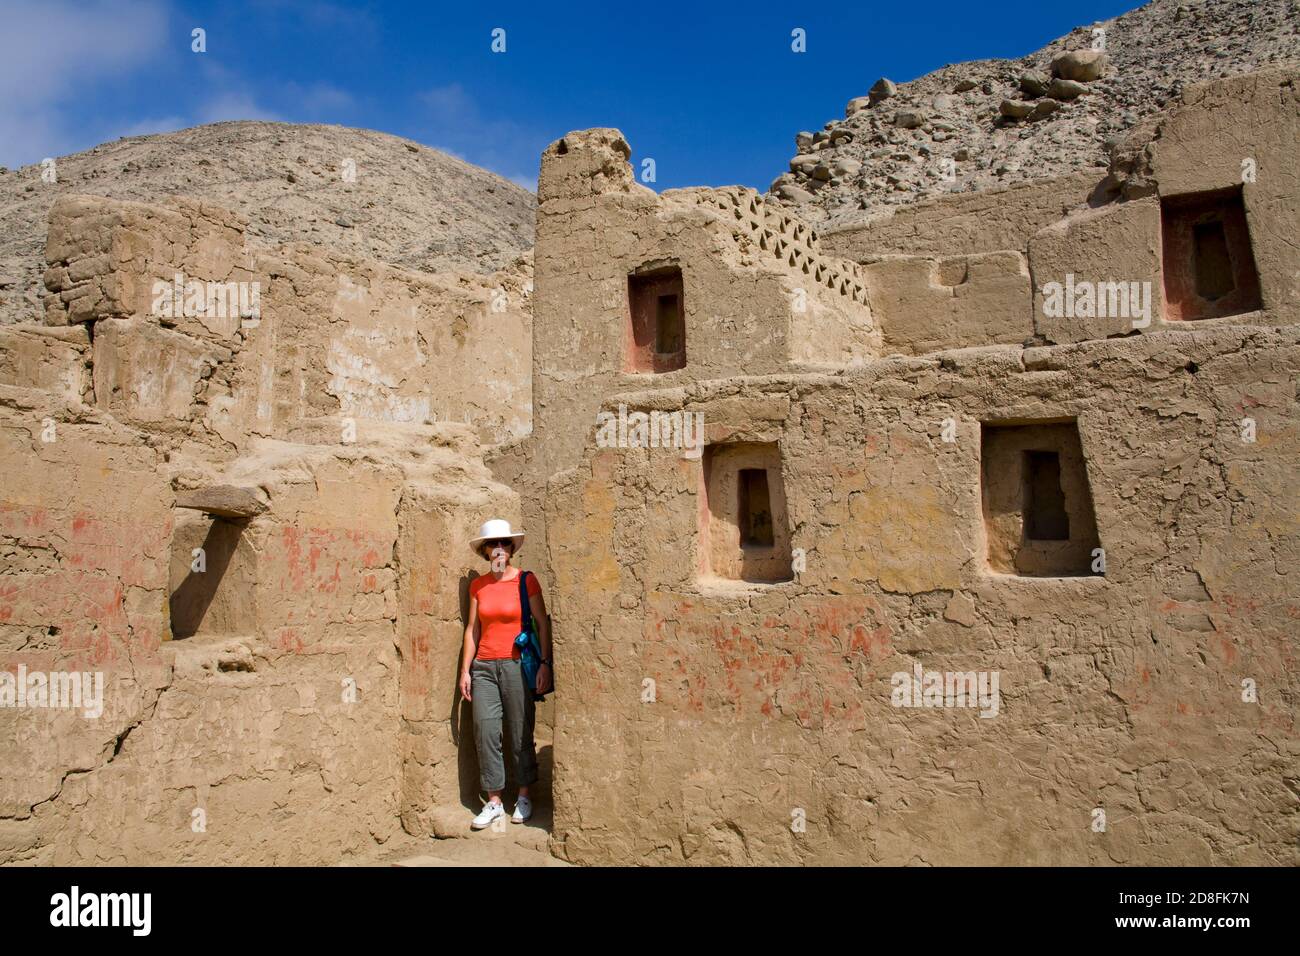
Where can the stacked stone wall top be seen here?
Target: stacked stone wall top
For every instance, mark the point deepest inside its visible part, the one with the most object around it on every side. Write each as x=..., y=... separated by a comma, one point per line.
x=213, y=339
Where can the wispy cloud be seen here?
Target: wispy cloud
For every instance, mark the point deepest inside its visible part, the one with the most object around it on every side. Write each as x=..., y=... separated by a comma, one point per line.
x=229, y=94
x=457, y=125
x=162, y=124
x=450, y=104
x=50, y=50
x=233, y=105
x=321, y=99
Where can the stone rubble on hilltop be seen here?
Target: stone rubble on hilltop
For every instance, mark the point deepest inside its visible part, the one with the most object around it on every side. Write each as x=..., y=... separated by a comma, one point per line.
x=989, y=123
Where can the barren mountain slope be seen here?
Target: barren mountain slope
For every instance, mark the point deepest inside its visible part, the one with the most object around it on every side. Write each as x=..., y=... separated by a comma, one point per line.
x=409, y=205
x=949, y=131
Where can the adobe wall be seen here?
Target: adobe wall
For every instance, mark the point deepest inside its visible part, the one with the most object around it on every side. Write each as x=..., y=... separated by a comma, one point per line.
x=1121, y=691
x=54, y=359
x=772, y=299
x=281, y=737
x=1238, y=133
x=946, y=506
x=970, y=270
x=84, y=587
x=278, y=699
x=928, y=304
x=942, y=458
x=344, y=337
x=966, y=223
x=436, y=520
x=759, y=295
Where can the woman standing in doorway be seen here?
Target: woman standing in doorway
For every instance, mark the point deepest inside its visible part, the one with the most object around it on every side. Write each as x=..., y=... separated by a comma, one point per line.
x=491, y=674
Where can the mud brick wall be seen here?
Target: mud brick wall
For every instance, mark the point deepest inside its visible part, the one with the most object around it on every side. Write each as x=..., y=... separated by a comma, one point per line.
x=84, y=529
x=914, y=467
x=965, y=223
x=362, y=340
x=52, y=359
x=440, y=768
x=759, y=294
x=336, y=336
x=251, y=730
x=268, y=726
x=1120, y=691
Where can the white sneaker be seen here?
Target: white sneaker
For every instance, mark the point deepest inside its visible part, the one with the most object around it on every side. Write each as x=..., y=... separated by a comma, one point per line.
x=523, y=810
x=491, y=810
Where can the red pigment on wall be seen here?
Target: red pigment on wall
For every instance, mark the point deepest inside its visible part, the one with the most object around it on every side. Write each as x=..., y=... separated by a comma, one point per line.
x=756, y=666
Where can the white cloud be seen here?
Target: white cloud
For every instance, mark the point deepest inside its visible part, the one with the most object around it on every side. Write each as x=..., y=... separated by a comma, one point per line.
x=449, y=104
x=321, y=98
x=163, y=124
x=52, y=49
x=233, y=105
x=493, y=142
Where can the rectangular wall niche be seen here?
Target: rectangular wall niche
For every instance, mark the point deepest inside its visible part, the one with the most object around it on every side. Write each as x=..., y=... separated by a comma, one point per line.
x=656, y=334
x=1038, y=515
x=745, y=533
x=213, y=594
x=1209, y=266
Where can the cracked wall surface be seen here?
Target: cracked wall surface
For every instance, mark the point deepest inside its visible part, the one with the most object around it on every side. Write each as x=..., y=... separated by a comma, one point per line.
x=337, y=453
x=1121, y=691
x=707, y=715
x=284, y=740
x=334, y=336
x=274, y=723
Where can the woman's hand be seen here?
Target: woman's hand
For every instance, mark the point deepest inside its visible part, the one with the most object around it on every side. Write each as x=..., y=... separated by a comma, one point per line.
x=543, y=678
x=465, y=683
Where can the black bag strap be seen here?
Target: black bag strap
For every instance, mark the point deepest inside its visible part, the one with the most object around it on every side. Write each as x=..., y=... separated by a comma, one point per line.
x=525, y=608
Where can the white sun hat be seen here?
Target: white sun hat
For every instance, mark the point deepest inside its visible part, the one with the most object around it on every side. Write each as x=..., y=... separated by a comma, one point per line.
x=494, y=529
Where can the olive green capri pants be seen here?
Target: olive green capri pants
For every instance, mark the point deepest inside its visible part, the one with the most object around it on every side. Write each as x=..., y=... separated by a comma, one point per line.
x=499, y=694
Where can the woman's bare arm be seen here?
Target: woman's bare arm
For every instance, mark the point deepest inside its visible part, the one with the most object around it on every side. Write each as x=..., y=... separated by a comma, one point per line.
x=470, y=647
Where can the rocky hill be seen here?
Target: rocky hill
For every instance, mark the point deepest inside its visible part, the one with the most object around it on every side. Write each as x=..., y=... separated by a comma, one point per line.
x=987, y=123
x=408, y=205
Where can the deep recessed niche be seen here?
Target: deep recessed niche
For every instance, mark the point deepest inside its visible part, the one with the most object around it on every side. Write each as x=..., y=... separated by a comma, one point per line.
x=754, y=509
x=1209, y=265
x=1038, y=511
x=656, y=334
x=1045, y=515
x=213, y=577
x=1211, y=261
x=670, y=325
x=745, y=532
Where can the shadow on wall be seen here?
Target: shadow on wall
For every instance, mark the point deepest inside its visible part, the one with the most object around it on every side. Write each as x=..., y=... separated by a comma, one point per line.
x=212, y=581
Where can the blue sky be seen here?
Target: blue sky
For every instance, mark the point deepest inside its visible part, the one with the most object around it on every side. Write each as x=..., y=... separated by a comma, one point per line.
x=713, y=93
